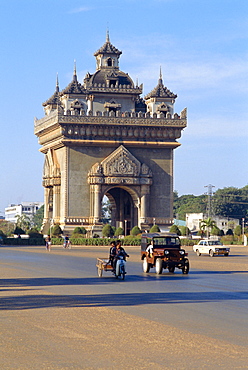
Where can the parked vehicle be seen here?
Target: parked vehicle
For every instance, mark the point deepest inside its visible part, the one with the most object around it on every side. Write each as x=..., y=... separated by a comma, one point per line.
x=166, y=253
x=210, y=247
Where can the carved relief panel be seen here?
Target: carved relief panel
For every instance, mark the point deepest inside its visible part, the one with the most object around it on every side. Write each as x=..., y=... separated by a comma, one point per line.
x=118, y=168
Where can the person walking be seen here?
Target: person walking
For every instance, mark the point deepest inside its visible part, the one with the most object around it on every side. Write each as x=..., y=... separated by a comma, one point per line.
x=67, y=243
x=48, y=243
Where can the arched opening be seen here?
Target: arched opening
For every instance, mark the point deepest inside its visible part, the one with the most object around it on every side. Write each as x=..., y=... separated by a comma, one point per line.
x=109, y=62
x=123, y=209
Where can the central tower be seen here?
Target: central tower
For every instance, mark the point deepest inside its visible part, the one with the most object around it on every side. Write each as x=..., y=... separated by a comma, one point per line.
x=102, y=138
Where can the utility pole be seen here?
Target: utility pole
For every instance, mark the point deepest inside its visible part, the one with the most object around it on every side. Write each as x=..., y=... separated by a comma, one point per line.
x=209, y=194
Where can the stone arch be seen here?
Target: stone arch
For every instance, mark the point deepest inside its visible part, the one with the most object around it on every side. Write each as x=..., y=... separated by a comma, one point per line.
x=109, y=62
x=125, y=204
x=121, y=175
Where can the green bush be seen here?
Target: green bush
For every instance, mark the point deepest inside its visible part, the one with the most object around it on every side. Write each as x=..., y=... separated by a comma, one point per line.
x=188, y=242
x=57, y=240
x=34, y=233
x=215, y=231
x=119, y=231
x=184, y=230
x=26, y=242
x=135, y=231
x=107, y=231
x=18, y=231
x=129, y=240
x=2, y=233
x=174, y=229
x=56, y=230
x=154, y=229
x=79, y=230
x=238, y=230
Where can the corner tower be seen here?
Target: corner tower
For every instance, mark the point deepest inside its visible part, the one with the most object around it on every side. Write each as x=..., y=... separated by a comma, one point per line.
x=100, y=137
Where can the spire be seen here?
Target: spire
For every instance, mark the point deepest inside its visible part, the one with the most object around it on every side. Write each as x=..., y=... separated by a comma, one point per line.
x=160, y=91
x=75, y=71
x=54, y=99
x=57, y=83
x=107, y=36
x=160, y=81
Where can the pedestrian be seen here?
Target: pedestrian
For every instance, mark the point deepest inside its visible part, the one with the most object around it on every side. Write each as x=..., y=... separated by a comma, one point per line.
x=66, y=241
x=48, y=243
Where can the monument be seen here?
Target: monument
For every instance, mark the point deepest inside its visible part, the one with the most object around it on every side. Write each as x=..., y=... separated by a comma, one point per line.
x=101, y=138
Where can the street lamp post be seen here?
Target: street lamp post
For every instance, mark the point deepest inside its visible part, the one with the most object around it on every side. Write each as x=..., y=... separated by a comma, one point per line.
x=51, y=224
x=125, y=227
x=243, y=230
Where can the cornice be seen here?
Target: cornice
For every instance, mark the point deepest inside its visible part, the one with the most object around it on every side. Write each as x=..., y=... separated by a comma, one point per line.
x=110, y=143
x=58, y=130
x=130, y=121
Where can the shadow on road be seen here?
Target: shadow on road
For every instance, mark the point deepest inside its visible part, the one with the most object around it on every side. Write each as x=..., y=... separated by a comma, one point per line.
x=55, y=281
x=33, y=283
x=208, y=272
x=108, y=300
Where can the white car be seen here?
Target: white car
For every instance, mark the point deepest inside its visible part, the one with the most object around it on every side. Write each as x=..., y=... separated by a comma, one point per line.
x=211, y=247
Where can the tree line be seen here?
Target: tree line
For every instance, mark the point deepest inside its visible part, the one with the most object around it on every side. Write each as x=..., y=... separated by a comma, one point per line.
x=227, y=202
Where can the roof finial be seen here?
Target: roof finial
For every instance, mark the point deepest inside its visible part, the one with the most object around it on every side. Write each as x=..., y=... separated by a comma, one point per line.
x=75, y=71
x=107, y=35
x=160, y=76
x=57, y=82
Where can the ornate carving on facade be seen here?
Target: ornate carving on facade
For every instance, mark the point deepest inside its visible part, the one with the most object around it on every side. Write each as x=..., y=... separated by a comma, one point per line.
x=184, y=113
x=51, y=171
x=84, y=131
x=121, y=162
x=120, y=167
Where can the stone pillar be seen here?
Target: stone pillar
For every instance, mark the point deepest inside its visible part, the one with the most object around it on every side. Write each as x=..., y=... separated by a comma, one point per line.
x=46, y=221
x=97, y=203
x=90, y=103
x=144, y=203
x=46, y=207
x=56, y=203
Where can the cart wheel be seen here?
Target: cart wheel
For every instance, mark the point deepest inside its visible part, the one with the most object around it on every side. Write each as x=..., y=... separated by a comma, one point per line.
x=99, y=271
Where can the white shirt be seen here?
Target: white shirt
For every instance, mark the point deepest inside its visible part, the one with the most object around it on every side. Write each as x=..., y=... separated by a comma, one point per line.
x=149, y=249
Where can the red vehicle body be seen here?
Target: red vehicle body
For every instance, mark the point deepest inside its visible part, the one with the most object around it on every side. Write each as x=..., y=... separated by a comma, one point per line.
x=167, y=253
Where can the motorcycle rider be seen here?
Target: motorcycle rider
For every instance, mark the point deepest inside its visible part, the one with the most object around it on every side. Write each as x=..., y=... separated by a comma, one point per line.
x=112, y=253
x=120, y=255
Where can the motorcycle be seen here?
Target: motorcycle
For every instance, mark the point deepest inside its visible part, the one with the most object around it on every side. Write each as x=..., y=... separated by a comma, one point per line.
x=120, y=268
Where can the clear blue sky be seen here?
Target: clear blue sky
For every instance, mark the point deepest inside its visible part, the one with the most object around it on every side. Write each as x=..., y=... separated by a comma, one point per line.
x=201, y=46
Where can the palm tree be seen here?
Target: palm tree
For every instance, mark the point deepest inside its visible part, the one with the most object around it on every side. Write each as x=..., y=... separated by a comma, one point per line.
x=208, y=224
x=23, y=221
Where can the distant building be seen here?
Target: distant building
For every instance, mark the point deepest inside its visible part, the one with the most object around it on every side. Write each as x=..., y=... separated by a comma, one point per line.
x=179, y=222
x=27, y=208
x=193, y=222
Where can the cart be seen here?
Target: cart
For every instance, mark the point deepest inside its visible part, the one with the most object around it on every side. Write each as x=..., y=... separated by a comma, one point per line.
x=103, y=264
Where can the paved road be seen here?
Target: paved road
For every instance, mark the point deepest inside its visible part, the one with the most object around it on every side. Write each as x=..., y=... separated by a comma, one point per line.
x=57, y=314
